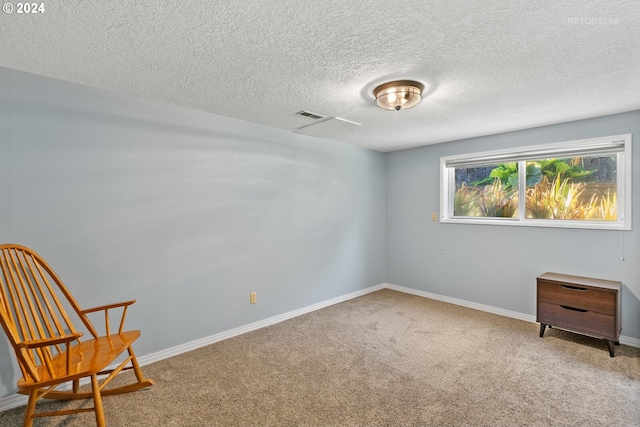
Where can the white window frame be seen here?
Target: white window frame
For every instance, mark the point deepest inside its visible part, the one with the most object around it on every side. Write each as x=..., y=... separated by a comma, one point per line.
x=621, y=144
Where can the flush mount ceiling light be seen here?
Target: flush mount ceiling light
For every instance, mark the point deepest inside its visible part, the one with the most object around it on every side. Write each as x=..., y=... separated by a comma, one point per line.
x=398, y=95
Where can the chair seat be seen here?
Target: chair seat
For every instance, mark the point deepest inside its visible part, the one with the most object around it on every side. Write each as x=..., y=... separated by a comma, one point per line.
x=87, y=358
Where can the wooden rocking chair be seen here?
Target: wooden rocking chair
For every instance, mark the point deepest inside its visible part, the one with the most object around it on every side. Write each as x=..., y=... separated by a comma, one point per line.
x=47, y=345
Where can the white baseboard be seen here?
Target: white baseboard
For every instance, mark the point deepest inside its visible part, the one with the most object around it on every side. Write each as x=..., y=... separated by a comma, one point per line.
x=19, y=400
x=464, y=303
x=633, y=342
x=183, y=348
x=13, y=401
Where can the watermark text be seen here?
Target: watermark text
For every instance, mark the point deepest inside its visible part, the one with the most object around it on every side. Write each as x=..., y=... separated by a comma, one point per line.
x=592, y=20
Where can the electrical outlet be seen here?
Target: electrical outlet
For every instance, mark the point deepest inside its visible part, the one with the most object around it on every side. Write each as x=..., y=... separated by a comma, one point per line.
x=253, y=297
x=434, y=216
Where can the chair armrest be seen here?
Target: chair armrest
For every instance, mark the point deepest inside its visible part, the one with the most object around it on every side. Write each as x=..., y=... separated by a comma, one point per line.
x=45, y=355
x=124, y=305
x=49, y=341
x=107, y=307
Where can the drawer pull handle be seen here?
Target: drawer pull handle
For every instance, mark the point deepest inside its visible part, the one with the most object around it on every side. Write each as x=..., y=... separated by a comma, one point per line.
x=574, y=309
x=574, y=288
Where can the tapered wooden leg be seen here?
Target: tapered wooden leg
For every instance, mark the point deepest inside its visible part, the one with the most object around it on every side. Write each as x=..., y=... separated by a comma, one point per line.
x=610, y=345
x=97, y=401
x=542, y=328
x=31, y=409
x=136, y=366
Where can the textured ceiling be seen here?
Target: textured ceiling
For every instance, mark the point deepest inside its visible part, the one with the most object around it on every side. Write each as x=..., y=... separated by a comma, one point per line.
x=488, y=66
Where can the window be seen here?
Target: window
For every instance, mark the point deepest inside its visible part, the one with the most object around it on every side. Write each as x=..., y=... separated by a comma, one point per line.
x=575, y=184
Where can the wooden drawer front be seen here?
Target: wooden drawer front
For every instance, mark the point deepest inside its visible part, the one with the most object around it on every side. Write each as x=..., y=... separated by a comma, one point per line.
x=588, y=322
x=575, y=296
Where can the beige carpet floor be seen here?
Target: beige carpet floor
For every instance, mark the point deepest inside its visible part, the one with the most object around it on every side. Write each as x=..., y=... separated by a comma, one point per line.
x=384, y=359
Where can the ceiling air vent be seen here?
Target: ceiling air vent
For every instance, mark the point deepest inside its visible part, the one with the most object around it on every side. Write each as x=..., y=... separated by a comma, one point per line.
x=327, y=128
x=310, y=115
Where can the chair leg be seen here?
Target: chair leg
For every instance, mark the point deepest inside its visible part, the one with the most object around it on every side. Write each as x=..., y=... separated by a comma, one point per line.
x=97, y=401
x=31, y=409
x=136, y=366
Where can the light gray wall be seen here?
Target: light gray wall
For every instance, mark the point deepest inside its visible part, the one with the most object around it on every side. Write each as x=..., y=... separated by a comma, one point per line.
x=498, y=265
x=186, y=212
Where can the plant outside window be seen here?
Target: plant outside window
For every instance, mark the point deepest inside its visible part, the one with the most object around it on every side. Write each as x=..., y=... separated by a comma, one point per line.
x=576, y=188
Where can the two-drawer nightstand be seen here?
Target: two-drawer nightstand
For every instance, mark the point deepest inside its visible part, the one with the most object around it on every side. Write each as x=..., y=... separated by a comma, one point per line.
x=580, y=304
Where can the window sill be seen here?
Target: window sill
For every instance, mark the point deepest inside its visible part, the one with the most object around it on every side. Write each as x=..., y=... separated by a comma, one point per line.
x=589, y=225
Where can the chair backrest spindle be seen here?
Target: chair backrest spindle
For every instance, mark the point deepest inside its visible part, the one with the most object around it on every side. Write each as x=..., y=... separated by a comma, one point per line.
x=30, y=309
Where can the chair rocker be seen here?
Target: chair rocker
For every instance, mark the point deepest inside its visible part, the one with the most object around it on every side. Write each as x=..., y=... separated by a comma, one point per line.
x=48, y=346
